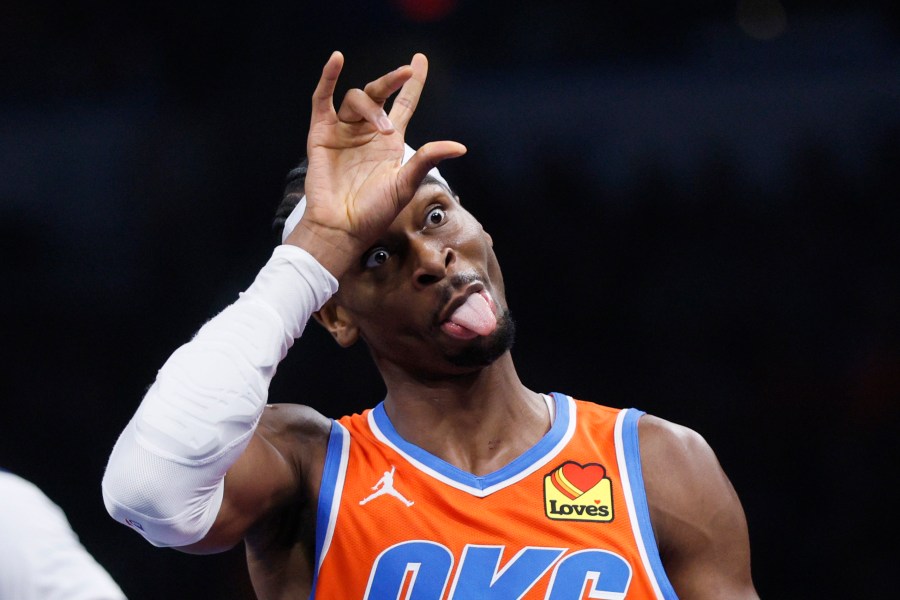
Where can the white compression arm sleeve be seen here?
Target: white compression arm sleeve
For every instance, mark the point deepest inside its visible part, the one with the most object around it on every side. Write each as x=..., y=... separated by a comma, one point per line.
x=165, y=476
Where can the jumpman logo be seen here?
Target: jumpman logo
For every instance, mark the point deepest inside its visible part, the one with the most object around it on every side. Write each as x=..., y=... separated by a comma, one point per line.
x=384, y=486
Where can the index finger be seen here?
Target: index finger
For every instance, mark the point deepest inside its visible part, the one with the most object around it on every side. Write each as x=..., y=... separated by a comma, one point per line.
x=322, y=99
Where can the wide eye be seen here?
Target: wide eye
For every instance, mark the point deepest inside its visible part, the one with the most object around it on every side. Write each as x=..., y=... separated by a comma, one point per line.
x=377, y=257
x=436, y=216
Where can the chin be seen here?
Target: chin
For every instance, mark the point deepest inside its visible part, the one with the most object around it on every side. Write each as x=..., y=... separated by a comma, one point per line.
x=486, y=350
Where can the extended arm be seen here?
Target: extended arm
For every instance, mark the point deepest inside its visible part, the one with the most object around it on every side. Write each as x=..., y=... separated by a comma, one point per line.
x=166, y=477
x=697, y=517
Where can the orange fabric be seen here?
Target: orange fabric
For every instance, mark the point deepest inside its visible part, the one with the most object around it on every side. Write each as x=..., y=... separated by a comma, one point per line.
x=573, y=501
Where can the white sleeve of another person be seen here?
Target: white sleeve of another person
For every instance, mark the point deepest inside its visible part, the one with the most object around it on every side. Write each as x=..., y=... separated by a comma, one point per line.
x=41, y=557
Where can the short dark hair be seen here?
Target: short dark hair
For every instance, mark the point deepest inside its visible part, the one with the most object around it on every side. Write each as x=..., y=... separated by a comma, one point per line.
x=293, y=191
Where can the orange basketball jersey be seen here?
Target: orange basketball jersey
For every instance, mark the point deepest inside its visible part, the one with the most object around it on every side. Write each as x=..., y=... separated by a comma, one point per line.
x=566, y=520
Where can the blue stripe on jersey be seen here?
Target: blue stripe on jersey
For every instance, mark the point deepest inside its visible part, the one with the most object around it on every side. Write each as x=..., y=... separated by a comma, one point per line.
x=329, y=492
x=632, y=451
x=521, y=463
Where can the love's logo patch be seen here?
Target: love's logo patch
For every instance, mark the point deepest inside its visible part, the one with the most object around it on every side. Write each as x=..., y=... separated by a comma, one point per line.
x=575, y=492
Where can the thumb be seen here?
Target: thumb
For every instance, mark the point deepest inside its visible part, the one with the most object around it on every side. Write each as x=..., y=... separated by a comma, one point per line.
x=426, y=158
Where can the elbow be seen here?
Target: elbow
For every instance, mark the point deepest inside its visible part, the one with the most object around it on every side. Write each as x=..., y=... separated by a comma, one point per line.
x=158, y=498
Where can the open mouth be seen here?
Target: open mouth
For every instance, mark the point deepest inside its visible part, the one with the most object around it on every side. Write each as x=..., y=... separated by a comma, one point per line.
x=471, y=316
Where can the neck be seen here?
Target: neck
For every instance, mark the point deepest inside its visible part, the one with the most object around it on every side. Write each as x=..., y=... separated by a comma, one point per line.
x=478, y=422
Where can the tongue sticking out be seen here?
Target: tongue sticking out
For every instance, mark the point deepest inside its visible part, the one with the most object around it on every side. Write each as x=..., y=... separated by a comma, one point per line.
x=475, y=315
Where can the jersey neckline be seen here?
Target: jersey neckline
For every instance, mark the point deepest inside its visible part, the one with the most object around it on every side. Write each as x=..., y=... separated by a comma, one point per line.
x=546, y=448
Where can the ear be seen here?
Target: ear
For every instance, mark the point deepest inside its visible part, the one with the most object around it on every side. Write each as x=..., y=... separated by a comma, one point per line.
x=338, y=322
x=490, y=240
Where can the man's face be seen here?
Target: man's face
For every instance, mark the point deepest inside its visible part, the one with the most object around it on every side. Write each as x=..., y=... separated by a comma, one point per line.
x=407, y=286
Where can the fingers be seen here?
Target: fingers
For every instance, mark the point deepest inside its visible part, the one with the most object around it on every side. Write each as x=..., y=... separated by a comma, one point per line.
x=359, y=106
x=322, y=100
x=425, y=158
x=368, y=104
x=406, y=101
x=384, y=87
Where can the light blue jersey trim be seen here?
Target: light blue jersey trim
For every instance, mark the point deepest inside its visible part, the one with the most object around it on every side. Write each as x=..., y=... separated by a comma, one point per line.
x=632, y=451
x=331, y=487
x=537, y=454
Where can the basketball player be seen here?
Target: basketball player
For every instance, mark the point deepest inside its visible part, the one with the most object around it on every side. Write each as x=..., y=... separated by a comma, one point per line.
x=41, y=556
x=487, y=488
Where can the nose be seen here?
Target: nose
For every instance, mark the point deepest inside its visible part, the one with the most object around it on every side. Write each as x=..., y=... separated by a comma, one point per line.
x=432, y=259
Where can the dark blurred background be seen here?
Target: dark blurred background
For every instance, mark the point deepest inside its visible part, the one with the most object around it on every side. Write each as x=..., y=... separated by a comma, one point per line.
x=696, y=206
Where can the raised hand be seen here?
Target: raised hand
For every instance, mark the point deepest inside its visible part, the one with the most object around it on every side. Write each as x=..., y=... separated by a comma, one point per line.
x=355, y=184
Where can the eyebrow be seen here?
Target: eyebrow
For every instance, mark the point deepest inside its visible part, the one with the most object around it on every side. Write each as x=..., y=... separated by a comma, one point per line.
x=429, y=180
x=445, y=191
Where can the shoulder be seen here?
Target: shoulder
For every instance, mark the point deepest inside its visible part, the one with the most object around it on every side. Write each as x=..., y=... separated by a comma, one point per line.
x=677, y=451
x=697, y=517
x=23, y=498
x=681, y=472
x=30, y=524
x=14, y=486
x=283, y=458
x=298, y=433
x=295, y=421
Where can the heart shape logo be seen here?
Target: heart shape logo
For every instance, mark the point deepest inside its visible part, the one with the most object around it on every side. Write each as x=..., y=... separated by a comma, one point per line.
x=573, y=479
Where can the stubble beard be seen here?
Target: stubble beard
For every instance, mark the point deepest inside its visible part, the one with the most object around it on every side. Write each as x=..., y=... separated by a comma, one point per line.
x=489, y=348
